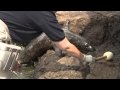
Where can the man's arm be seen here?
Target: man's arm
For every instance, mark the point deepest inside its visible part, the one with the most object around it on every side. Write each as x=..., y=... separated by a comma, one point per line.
x=72, y=50
x=65, y=45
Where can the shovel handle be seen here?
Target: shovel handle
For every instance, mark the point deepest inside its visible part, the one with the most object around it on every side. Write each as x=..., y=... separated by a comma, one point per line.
x=100, y=58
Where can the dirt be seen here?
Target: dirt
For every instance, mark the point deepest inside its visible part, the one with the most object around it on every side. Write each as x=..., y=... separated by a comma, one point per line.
x=104, y=71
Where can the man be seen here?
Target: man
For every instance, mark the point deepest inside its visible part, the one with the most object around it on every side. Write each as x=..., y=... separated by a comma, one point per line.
x=23, y=26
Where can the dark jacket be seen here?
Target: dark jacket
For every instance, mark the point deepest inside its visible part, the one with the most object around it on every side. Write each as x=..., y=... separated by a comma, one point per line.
x=27, y=25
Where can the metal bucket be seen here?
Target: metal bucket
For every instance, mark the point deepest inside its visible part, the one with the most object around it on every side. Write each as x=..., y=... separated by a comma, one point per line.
x=8, y=55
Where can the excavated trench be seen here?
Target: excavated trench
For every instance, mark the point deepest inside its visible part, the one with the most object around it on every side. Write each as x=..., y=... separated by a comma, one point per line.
x=102, y=32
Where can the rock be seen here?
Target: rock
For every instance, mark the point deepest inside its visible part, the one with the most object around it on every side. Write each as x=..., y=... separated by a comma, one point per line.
x=71, y=74
x=69, y=61
x=78, y=20
x=37, y=47
x=53, y=66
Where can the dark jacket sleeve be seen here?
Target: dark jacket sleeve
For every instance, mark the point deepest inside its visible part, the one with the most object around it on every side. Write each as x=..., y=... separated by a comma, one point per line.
x=52, y=28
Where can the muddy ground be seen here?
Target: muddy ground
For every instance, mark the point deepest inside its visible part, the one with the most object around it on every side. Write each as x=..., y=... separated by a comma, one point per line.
x=102, y=30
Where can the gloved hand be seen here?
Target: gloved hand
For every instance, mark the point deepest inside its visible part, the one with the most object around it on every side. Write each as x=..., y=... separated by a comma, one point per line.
x=89, y=58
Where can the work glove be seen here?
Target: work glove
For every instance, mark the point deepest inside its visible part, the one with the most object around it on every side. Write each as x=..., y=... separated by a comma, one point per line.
x=89, y=58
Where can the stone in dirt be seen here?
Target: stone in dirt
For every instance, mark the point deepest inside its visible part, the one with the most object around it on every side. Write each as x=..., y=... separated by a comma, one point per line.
x=53, y=66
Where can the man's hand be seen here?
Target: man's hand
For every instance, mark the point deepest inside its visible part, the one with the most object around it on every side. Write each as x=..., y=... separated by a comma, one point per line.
x=89, y=58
